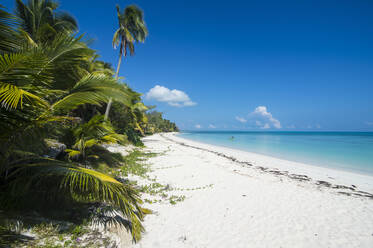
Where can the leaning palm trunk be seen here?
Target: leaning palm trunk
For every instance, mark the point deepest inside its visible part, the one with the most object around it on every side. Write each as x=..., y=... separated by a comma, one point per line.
x=110, y=99
x=131, y=29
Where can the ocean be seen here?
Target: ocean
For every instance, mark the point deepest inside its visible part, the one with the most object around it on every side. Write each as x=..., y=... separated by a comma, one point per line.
x=349, y=151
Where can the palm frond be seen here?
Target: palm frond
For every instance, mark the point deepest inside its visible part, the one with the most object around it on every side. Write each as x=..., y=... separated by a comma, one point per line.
x=134, y=21
x=9, y=41
x=83, y=185
x=131, y=29
x=69, y=57
x=29, y=41
x=73, y=153
x=11, y=96
x=116, y=38
x=64, y=21
x=24, y=69
x=22, y=75
x=42, y=21
x=93, y=89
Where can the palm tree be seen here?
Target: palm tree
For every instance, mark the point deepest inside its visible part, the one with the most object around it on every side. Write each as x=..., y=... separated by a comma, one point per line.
x=25, y=175
x=41, y=22
x=97, y=66
x=131, y=29
x=32, y=98
x=46, y=76
x=95, y=132
x=8, y=36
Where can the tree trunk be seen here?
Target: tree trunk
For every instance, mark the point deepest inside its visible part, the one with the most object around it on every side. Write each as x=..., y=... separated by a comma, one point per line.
x=116, y=78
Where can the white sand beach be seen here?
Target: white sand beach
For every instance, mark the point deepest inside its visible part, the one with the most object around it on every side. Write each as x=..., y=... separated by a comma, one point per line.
x=251, y=200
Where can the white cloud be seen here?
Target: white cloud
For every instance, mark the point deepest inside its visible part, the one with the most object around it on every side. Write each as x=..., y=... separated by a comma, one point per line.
x=189, y=103
x=175, y=98
x=258, y=123
x=265, y=126
x=212, y=126
x=262, y=112
x=240, y=119
x=198, y=126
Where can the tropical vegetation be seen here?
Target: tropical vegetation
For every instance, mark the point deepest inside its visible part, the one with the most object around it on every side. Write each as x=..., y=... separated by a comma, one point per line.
x=54, y=92
x=157, y=124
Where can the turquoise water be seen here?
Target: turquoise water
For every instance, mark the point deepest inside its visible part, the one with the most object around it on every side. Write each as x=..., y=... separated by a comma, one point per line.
x=351, y=151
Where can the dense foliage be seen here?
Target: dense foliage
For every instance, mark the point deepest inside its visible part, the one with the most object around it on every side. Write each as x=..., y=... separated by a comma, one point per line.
x=156, y=123
x=53, y=96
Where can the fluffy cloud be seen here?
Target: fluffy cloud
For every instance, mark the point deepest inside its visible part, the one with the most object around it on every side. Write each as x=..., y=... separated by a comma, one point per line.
x=267, y=116
x=240, y=119
x=212, y=126
x=198, y=126
x=175, y=98
x=265, y=126
x=262, y=125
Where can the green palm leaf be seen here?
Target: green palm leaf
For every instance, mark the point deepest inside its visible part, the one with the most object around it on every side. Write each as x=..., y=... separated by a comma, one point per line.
x=41, y=20
x=93, y=89
x=9, y=41
x=83, y=185
x=21, y=76
x=11, y=96
x=26, y=68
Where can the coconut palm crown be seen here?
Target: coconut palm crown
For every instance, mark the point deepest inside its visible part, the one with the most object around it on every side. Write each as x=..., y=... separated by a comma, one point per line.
x=41, y=21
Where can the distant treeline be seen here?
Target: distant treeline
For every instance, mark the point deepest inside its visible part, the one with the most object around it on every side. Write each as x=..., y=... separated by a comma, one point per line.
x=156, y=123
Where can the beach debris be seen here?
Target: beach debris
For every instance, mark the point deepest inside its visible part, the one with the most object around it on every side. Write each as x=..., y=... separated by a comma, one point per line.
x=182, y=238
x=299, y=177
x=324, y=183
x=365, y=194
x=342, y=187
x=167, y=187
x=344, y=193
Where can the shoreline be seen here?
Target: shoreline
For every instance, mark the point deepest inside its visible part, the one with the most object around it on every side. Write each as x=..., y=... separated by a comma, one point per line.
x=315, y=172
x=238, y=199
x=341, y=167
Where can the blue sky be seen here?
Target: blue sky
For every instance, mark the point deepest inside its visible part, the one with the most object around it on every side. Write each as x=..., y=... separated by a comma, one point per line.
x=247, y=65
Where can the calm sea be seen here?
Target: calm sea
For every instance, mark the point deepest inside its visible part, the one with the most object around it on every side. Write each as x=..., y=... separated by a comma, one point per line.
x=351, y=151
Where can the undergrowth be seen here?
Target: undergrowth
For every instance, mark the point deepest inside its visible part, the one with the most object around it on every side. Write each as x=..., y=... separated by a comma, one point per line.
x=49, y=235
x=69, y=234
